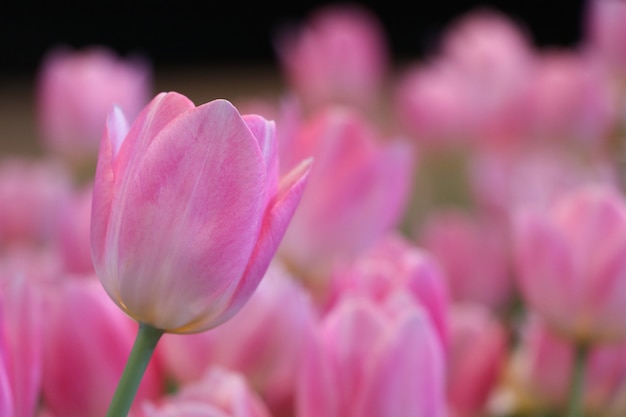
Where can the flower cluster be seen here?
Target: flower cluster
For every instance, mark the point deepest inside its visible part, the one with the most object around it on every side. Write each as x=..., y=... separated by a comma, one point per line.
x=443, y=237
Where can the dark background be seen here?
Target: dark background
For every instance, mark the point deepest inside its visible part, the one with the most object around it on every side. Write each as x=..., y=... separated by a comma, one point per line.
x=183, y=32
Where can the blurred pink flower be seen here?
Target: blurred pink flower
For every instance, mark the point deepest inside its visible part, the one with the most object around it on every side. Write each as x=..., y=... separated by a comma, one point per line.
x=264, y=341
x=188, y=210
x=477, y=81
x=543, y=365
x=572, y=99
x=370, y=360
x=393, y=264
x=503, y=182
x=571, y=263
x=357, y=191
x=31, y=191
x=87, y=340
x=71, y=234
x=218, y=393
x=474, y=253
x=21, y=350
x=604, y=32
x=338, y=55
x=76, y=89
x=476, y=359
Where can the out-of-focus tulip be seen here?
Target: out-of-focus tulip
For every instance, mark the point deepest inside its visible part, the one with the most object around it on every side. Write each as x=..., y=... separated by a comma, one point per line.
x=21, y=326
x=543, y=365
x=572, y=99
x=87, y=342
x=339, y=55
x=370, y=360
x=474, y=253
x=571, y=263
x=474, y=87
x=356, y=193
x=218, y=393
x=188, y=210
x=476, y=358
x=31, y=191
x=264, y=341
x=71, y=234
x=394, y=264
x=503, y=182
x=605, y=32
x=76, y=90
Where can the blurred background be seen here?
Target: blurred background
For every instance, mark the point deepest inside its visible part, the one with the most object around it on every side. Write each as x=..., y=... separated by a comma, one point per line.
x=187, y=32
x=225, y=49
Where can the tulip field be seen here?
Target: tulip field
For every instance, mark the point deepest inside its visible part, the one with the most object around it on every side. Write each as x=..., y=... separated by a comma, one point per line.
x=438, y=237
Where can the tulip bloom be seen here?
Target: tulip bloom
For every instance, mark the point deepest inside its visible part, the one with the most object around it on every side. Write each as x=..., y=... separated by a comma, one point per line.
x=75, y=91
x=572, y=263
x=371, y=360
x=188, y=210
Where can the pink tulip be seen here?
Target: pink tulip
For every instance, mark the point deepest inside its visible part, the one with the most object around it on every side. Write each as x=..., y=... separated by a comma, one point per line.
x=476, y=360
x=394, y=264
x=188, y=211
x=475, y=85
x=264, y=341
x=31, y=190
x=219, y=393
x=21, y=358
x=502, y=182
x=474, y=254
x=544, y=365
x=605, y=32
x=339, y=54
x=571, y=263
x=572, y=98
x=71, y=235
x=357, y=192
x=87, y=342
x=373, y=361
x=76, y=89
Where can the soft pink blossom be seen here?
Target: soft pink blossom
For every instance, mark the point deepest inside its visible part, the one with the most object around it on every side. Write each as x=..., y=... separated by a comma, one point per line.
x=473, y=87
x=31, y=190
x=604, y=32
x=21, y=347
x=76, y=89
x=571, y=262
x=370, y=360
x=264, y=341
x=476, y=359
x=394, y=264
x=357, y=191
x=188, y=210
x=339, y=54
x=543, y=366
x=572, y=99
x=218, y=393
x=86, y=344
x=71, y=231
x=474, y=253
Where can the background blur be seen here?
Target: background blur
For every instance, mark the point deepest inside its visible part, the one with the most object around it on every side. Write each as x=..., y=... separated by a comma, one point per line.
x=186, y=32
x=223, y=49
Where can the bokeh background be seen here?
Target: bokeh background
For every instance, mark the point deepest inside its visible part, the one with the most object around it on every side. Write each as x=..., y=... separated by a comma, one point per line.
x=187, y=32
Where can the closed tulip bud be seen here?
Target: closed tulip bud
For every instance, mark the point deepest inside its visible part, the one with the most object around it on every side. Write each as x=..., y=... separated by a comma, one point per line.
x=75, y=91
x=188, y=210
x=572, y=263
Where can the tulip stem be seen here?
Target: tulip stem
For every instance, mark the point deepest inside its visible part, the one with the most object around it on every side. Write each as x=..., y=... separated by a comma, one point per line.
x=575, y=406
x=145, y=343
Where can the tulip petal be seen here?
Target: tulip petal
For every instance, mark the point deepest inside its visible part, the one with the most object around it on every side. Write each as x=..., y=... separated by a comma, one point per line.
x=275, y=223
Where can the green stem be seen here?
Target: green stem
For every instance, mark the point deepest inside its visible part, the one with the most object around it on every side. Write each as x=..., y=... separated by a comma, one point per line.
x=575, y=406
x=146, y=341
